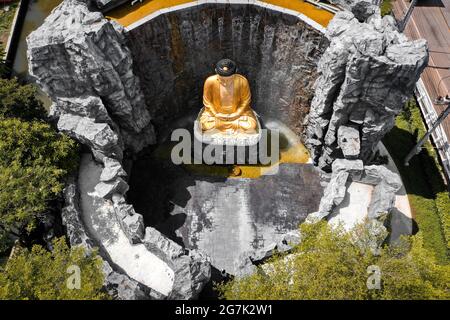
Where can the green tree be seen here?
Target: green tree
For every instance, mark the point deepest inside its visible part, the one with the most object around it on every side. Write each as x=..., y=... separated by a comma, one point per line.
x=34, y=161
x=43, y=275
x=331, y=264
x=31, y=143
x=19, y=101
x=386, y=7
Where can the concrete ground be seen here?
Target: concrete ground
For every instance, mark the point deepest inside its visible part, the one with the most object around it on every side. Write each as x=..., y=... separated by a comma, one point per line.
x=100, y=221
x=204, y=207
x=223, y=217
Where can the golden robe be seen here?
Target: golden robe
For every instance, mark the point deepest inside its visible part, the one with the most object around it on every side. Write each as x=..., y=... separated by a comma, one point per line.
x=237, y=116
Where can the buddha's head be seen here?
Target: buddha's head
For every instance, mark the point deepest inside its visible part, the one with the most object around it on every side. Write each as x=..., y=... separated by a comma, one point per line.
x=225, y=68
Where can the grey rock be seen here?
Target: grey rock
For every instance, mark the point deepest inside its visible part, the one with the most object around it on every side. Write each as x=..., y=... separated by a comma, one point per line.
x=107, y=189
x=386, y=183
x=112, y=170
x=335, y=192
x=264, y=253
x=333, y=195
x=383, y=201
x=367, y=73
x=349, y=142
x=133, y=225
x=89, y=107
x=354, y=167
x=122, y=287
x=292, y=238
x=163, y=247
x=78, y=53
x=244, y=266
x=192, y=272
x=362, y=9
x=376, y=174
x=122, y=208
x=102, y=140
x=192, y=269
x=71, y=216
x=106, y=5
x=247, y=262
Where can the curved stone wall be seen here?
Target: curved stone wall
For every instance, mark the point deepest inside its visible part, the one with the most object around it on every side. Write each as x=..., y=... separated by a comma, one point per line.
x=174, y=53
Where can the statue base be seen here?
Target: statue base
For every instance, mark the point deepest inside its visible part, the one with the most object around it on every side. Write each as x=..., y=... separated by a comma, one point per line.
x=232, y=148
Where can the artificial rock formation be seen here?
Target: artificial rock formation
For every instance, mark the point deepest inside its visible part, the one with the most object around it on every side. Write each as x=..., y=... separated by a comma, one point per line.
x=362, y=9
x=386, y=184
x=366, y=75
x=81, y=61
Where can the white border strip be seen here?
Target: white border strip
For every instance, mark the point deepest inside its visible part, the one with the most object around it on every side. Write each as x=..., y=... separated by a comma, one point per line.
x=258, y=3
x=429, y=113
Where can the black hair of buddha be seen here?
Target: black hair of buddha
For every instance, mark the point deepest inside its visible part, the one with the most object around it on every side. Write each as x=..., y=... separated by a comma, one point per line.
x=226, y=67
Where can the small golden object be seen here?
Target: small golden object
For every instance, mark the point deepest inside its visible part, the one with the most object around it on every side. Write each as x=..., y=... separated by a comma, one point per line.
x=236, y=171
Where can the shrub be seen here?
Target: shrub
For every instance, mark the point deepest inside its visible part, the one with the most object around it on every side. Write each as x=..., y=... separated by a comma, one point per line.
x=328, y=264
x=42, y=275
x=34, y=161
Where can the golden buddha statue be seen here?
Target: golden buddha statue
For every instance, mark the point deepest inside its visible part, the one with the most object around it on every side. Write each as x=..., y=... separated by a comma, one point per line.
x=226, y=100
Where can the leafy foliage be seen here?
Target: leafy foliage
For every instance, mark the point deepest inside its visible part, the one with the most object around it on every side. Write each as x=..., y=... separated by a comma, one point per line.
x=42, y=275
x=19, y=101
x=35, y=143
x=330, y=264
x=34, y=160
x=386, y=7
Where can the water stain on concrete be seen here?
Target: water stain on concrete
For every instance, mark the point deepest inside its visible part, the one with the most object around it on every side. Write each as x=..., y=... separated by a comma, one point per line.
x=222, y=216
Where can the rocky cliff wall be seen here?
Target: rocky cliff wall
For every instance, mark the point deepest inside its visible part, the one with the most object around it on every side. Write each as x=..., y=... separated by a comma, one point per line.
x=175, y=52
x=81, y=61
x=366, y=75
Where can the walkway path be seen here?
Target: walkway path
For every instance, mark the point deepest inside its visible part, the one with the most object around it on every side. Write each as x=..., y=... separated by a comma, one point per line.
x=100, y=221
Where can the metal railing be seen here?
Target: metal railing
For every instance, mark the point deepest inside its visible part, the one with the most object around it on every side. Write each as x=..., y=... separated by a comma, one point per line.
x=326, y=6
x=430, y=115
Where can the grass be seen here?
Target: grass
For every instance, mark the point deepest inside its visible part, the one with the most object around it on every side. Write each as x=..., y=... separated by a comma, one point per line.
x=6, y=19
x=423, y=181
x=386, y=7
